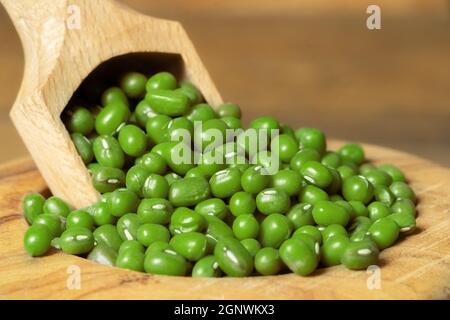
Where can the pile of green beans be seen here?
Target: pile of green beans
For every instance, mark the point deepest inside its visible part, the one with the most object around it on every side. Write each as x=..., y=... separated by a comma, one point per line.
x=320, y=208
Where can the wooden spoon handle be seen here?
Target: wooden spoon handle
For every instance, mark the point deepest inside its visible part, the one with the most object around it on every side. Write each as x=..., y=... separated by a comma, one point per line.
x=33, y=17
x=44, y=26
x=41, y=27
x=29, y=10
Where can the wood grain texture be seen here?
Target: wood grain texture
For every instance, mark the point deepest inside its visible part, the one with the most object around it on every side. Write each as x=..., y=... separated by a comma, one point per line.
x=418, y=267
x=58, y=57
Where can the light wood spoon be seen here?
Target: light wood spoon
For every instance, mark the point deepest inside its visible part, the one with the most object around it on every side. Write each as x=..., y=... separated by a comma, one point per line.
x=64, y=41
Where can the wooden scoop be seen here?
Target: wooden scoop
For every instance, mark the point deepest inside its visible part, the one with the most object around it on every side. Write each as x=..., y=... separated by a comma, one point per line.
x=64, y=41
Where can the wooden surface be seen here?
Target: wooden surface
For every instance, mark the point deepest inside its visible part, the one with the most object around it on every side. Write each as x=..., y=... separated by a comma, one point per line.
x=418, y=267
x=294, y=7
x=308, y=62
x=59, y=57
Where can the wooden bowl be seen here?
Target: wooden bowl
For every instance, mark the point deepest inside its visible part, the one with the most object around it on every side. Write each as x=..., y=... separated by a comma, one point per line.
x=417, y=267
x=63, y=42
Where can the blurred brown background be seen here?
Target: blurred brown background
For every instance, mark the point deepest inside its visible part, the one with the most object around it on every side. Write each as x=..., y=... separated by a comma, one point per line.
x=308, y=63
